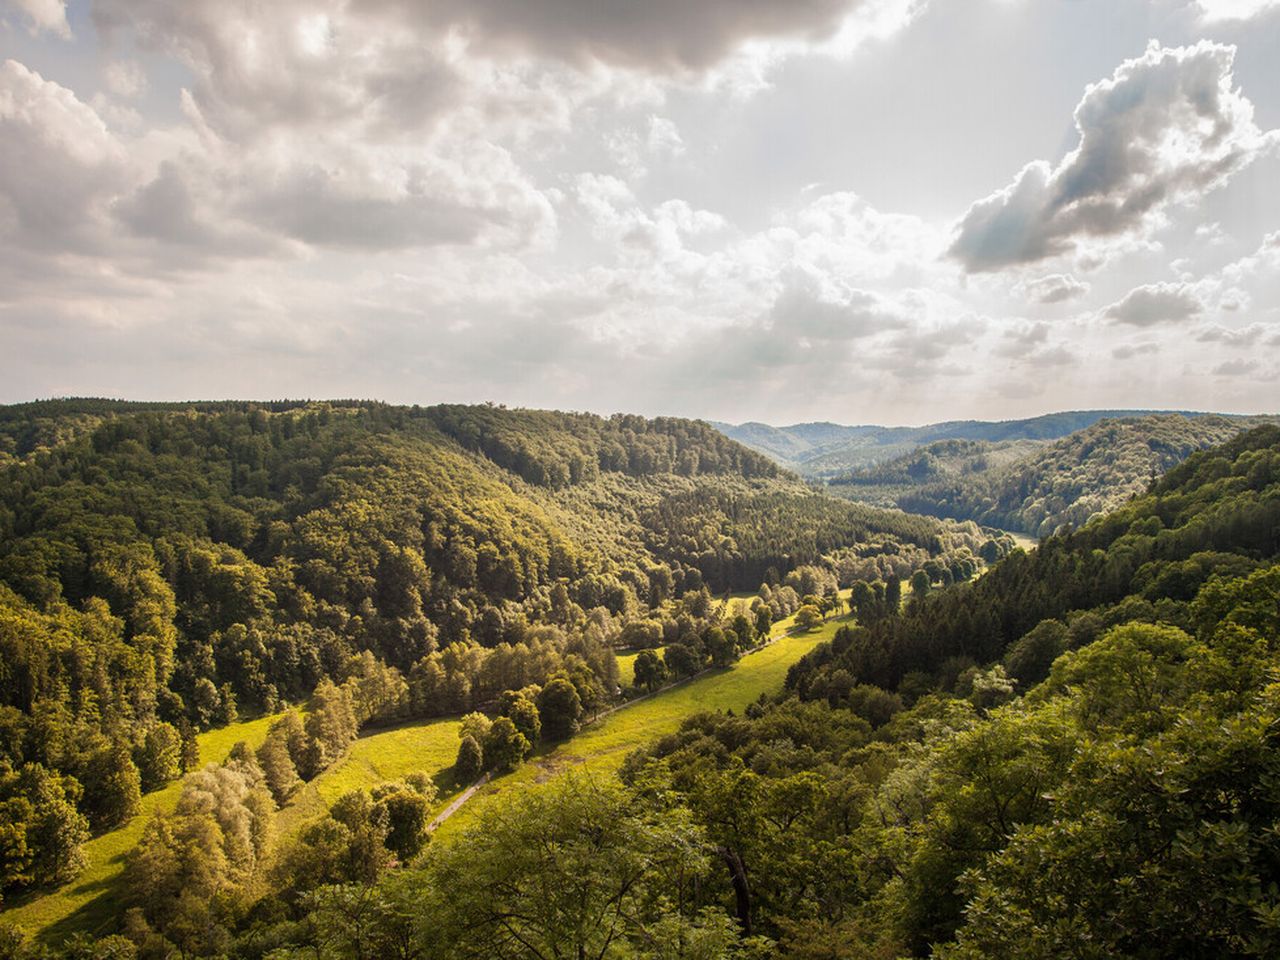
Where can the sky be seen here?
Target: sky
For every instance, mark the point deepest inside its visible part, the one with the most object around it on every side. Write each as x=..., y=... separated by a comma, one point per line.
x=864, y=211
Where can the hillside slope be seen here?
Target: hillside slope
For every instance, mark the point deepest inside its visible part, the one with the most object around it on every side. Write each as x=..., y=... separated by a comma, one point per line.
x=165, y=568
x=824, y=450
x=1032, y=488
x=1073, y=755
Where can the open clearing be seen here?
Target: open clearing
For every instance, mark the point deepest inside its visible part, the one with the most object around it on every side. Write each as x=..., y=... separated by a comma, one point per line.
x=602, y=746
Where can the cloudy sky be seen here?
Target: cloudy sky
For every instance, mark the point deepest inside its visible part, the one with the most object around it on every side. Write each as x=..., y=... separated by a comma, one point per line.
x=891, y=211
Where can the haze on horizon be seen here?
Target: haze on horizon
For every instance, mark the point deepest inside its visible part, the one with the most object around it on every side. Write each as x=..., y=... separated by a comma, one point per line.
x=862, y=211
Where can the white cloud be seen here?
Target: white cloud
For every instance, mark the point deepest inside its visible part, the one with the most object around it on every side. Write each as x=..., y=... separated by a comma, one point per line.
x=1216, y=10
x=125, y=78
x=1156, y=303
x=48, y=15
x=1165, y=128
x=1055, y=288
x=58, y=162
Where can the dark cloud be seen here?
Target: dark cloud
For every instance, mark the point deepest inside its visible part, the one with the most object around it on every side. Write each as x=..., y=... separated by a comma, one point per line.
x=1156, y=303
x=1165, y=127
x=660, y=35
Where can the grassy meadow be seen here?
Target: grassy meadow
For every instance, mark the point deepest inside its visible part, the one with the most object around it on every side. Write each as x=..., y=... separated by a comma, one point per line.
x=602, y=746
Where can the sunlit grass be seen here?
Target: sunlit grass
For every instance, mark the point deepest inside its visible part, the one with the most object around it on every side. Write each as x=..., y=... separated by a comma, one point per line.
x=90, y=901
x=603, y=746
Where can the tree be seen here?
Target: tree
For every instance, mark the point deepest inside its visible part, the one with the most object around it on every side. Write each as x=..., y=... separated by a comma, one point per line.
x=808, y=617
x=470, y=760
x=475, y=725
x=1029, y=658
x=505, y=747
x=524, y=714
x=277, y=764
x=159, y=758
x=722, y=646
x=112, y=787
x=920, y=584
x=576, y=870
x=331, y=727
x=650, y=671
x=681, y=660
x=407, y=813
x=764, y=620
x=40, y=829
x=560, y=708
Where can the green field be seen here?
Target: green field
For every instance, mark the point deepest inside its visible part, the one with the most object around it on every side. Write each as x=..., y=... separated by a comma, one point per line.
x=602, y=747
x=90, y=901
x=375, y=758
x=627, y=666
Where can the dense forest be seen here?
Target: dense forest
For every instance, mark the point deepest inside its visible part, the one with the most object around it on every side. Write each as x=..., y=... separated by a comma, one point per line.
x=165, y=569
x=827, y=450
x=1073, y=755
x=1036, y=488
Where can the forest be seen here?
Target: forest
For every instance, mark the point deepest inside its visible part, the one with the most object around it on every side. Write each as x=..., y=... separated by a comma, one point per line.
x=1036, y=487
x=167, y=569
x=1066, y=751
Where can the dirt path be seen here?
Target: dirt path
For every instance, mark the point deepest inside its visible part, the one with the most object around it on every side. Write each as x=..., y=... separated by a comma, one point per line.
x=458, y=801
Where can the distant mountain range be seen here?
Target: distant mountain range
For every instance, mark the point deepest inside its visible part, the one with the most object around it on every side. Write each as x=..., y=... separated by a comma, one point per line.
x=825, y=450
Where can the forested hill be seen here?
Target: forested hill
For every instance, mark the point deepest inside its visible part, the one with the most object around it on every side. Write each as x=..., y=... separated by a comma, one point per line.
x=829, y=449
x=1035, y=488
x=165, y=567
x=1075, y=755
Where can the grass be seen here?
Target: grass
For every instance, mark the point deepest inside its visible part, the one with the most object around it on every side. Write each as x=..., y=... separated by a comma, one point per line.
x=375, y=758
x=602, y=746
x=627, y=666
x=91, y=901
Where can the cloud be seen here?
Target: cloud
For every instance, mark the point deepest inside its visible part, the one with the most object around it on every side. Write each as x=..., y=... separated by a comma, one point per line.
x=1128, y=351
x=125, y=78
x=1156, y=303
x=812, y=309
x=58, y=163
x=661, y=35
x=1165, y=128
x=46, y=15
x=1217, y=10
x=1242, y=337
x=1055, y=288
x=1236, y=368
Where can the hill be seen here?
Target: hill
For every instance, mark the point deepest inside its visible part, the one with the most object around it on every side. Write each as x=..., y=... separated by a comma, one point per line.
x=1072, y=755
x=1035, y=488
x=168, y=568
x=825, y=450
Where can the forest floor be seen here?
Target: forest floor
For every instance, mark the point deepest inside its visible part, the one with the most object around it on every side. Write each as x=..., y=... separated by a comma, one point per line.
x=91, y=901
